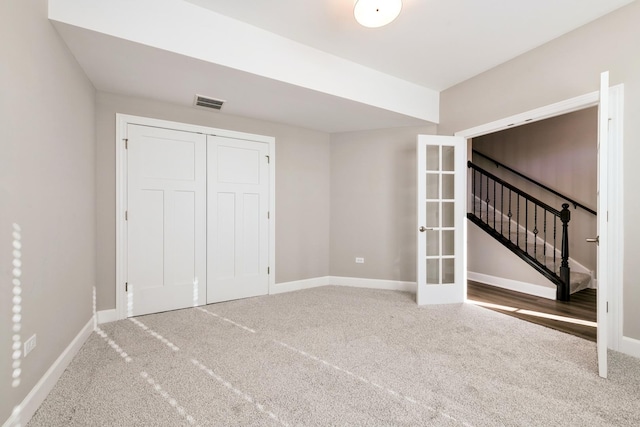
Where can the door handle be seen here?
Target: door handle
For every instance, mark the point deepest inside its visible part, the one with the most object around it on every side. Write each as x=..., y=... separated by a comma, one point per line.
x=596, y=240
x=423, y=229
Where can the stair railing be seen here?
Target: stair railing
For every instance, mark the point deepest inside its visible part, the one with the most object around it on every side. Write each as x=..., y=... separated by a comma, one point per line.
x=575, y=203
x=497, y=205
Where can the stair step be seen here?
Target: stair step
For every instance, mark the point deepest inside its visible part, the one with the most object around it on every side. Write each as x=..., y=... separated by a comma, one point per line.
x=578, y=281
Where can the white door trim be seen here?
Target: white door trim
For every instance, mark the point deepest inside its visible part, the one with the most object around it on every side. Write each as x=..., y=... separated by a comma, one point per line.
x=535, y=115
x=615, y=186
x=122, y=121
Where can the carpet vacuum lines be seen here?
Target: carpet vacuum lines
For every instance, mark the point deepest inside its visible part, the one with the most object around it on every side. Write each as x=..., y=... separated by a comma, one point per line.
x=391, y=392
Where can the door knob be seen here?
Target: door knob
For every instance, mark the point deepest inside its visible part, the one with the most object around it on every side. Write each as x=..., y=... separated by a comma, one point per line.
x=423, y=229
x=596, y=240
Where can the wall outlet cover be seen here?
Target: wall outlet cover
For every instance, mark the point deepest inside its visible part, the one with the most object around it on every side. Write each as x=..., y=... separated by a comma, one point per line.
x=359, y=260
x=29, y=345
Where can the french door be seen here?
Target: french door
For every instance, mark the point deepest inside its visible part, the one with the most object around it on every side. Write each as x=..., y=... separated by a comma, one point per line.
x=602, y=240
x=441, y=215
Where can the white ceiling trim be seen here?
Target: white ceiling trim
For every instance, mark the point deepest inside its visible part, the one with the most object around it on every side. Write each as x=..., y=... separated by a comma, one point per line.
x=183, y=28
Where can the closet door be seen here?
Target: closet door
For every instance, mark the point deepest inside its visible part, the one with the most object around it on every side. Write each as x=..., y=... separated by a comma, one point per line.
x=166, y=225
x=237, y=219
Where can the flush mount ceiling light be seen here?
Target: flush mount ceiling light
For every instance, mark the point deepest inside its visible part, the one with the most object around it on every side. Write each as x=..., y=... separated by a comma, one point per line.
x=376, y=13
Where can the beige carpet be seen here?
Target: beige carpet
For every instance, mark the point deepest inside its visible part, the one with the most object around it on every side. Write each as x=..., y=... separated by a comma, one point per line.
x=339, y=356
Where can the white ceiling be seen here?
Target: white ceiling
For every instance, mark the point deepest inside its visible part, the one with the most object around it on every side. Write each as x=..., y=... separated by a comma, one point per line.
x=434, y=44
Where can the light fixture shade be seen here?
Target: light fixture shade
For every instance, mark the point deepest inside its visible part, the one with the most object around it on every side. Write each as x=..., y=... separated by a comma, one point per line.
x=376, y=13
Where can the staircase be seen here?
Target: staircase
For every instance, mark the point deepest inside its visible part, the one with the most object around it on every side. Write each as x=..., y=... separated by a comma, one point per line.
x=529, y=243
x=531, y=229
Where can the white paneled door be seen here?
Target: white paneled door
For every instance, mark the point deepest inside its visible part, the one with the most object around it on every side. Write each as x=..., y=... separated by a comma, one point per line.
x=166, y=219
x=237, y=218
x=441, y=195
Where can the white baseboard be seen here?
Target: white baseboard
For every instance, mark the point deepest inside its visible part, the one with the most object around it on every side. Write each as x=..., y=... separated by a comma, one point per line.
x=630, y=346
x=23, y=412
x=356, y=282
x=513, y=285
x=298, y=285
x=106, y=316
x=14, y=419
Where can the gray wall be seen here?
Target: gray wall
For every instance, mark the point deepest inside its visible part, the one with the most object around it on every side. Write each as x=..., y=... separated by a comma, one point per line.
x=373, y=203
x=47, y=168
x=566, y=67
x=560, y=152
x=487, y=256
x=302, y=187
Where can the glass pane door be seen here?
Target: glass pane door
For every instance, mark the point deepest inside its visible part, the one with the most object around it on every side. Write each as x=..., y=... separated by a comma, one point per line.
x=440, y=202
x=440, y=191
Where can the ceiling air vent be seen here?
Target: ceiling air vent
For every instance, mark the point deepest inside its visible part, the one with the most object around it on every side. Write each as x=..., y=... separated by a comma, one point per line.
x=208, y=102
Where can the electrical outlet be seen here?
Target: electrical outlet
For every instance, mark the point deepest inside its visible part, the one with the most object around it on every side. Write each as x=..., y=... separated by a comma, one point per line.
x=359, y=260
x=29, y=345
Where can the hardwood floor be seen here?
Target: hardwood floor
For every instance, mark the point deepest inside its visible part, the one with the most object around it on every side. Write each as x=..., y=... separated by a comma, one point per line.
x=579, y=313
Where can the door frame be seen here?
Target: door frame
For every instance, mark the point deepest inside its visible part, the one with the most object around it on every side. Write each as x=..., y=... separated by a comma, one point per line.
x=615, y=186
x=122, y=121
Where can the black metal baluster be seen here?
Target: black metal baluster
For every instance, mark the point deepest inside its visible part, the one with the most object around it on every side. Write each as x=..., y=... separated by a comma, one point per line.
x=510, y=214
x=502, y=210
x=535, y=231
x=555, y=241
x=487, y=201
x=494, y=204
x=480, y=198
x=526, y=225
x=544, y=248
x=473, y=186
x=518, y=221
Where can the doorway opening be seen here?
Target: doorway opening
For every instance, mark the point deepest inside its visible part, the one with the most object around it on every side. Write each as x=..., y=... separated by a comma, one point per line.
x=611, y=181
x=519, y=177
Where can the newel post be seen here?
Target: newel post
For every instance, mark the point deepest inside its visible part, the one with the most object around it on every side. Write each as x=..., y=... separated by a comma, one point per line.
x=562, y=293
